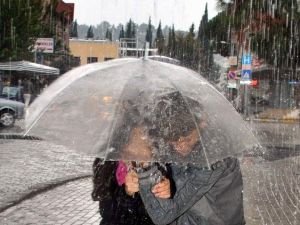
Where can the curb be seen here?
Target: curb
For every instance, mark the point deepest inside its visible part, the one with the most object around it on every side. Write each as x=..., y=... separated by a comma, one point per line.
x=289, y=121
x=39, y=188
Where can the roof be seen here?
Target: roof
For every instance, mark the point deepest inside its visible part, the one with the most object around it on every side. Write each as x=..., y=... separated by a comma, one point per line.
x=29, y=66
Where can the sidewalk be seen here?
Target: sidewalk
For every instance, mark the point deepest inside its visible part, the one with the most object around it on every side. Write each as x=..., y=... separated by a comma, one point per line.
x=278, y=115
x=28, y=167
x=67, y=204
x=271, y=196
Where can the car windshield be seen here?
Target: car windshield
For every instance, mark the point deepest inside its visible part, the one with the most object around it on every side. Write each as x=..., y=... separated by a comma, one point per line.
x=9, y=90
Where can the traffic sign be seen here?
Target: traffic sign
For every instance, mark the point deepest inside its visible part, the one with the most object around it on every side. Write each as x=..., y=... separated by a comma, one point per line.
x=246, y=77
x=247, y=59
x=231, y=75
x=246, y=74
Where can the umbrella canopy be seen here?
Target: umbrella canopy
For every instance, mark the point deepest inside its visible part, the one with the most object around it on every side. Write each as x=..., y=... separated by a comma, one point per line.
x=29, y=66
x=114, y=109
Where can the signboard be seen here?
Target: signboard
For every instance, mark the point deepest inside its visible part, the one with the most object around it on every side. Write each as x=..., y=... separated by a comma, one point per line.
x=231, y=84
x=294, y=82
x=45, y=45
x=246, y=69
x=246, y=62
x=231, y=75
x=232, y=60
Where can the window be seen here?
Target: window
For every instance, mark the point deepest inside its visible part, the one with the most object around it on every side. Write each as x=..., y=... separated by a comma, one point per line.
x=92, y=59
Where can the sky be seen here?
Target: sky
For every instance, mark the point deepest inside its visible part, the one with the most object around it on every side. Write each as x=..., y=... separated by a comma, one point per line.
x=181, y=13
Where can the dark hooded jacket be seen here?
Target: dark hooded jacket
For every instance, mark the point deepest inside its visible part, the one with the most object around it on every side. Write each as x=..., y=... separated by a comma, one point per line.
x=203, y=196
x=115, y=206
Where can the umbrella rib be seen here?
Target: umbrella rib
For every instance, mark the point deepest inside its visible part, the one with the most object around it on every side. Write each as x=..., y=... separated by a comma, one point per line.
x=88, y=69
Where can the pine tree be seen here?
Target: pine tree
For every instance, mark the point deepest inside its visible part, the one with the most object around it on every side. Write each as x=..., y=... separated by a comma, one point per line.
x=160, y=40
x=149, y=33
x=108, y=34
x=74, y=32
x=169, y=46
x=189, y=54
x=203, y=44
x=202, y=27
x=122, y=33
x=129, y=29
x=173, y=42
x=90, y=33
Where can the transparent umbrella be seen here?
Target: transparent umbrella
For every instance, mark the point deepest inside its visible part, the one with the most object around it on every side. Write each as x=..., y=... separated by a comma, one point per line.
x=125, y=108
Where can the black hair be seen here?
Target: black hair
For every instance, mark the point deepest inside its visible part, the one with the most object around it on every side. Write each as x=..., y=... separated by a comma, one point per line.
x=172, y=116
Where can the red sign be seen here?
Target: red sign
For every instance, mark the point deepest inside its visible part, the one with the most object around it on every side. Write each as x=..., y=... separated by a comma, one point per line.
x=254, y=83
x=231, y=75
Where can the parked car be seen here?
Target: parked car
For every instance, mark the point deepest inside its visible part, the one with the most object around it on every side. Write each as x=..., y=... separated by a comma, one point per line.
x=10, y=111
x=12, y=93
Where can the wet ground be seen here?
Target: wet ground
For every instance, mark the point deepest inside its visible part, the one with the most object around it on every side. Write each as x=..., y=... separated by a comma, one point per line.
x=271, y=185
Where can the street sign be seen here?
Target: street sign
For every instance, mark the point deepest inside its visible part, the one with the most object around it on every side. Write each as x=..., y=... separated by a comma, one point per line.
x=246, y=69
x=231, y=75
x=246, y=77
x=232, y=60
x=247, y=59
x=45, y=45
x=231, y=84
x=246, y=74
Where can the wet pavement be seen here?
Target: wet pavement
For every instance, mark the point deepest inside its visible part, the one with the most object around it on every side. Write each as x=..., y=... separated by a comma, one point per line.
x=271, y=187
x=67, y=204
x=271, y=196
x=28, y=166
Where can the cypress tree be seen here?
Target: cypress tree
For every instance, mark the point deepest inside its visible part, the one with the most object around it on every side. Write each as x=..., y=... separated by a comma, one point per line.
x=108, y=34
x=129, y=29
x=122, y=33
x=90, y=33
x=74, y=32
x=160, y=40
x=149, y=33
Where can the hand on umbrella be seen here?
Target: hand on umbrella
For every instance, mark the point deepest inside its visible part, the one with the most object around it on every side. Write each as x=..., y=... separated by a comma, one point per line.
x=162, y=189
x=131, y=183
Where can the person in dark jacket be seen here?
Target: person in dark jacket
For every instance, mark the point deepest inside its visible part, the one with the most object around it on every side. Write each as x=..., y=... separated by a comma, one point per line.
x=116, y=184
x=210, y=196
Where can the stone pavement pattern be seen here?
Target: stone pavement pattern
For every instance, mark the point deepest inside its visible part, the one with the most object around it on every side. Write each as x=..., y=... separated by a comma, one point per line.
x=272, y=192
x=271, y=196
x=271, y=188
x=65, y=205
x=28, y=166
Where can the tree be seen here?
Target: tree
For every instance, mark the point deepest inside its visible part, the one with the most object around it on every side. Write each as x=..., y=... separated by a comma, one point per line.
x=268, y=33
x=90, y=33
x=202, y=27
x=20, y=25
x=160, y=40
x=203, y=45
x=108, y=34
x=130, y=29
x=74, y=32
x=149, y=33
x=122, y=33
x=189, y=53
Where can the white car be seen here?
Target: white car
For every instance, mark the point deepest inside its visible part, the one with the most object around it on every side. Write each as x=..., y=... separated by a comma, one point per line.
x=10, y=111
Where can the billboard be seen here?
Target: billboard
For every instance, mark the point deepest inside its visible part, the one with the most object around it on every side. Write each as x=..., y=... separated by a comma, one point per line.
x=45, y=45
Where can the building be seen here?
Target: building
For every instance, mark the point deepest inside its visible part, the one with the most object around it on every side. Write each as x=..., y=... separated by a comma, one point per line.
x=59, y=16
x=89, y=51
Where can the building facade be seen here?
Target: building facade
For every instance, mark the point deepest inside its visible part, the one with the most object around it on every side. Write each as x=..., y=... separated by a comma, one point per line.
x=59, y=16
x=89, y=51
